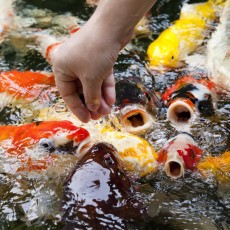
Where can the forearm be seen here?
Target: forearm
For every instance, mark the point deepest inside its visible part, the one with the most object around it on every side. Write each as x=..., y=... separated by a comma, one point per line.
x=116, y=19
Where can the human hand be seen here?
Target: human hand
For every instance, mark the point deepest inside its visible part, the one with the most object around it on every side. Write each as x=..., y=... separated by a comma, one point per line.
x=83, y=66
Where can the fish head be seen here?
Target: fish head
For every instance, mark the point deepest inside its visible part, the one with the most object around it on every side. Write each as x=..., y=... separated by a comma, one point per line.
x=135, y=106
x=98, y=187
x=37, y=145
x=179, y=154
x=164, y=51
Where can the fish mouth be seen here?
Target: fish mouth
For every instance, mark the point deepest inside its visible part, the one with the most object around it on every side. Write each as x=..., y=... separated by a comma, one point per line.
x=181, y=112
x=174, y=168
x=136, y=119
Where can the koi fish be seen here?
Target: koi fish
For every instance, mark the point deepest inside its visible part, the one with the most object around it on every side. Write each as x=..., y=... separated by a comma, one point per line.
x=218, y=51
x=179, y=154
x=25, y=87
x=219, y=167
x=99, y=194
x=6, y=17
x=183, y=37
x=134, y=107
x=186, y=97
x=35, y=146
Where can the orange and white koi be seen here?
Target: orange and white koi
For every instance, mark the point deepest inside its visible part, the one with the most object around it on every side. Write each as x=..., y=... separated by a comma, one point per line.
x=179, y=154
x=25, y=87
x=35, y=146
x=218, y=166
x=218, y=51
x=187, y=97
x=137, y=154
x=184, y=36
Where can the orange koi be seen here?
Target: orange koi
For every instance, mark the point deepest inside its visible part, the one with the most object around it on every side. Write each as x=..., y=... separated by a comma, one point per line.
x=16, y=85
x=219, y=167
x=35, y=146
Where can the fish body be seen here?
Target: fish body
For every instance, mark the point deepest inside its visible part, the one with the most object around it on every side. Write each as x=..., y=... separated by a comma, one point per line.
x=218, y=51
x=99, y=194
x=187, y=97
x=183, y=37
x=179, y=154
x=6, y=17
x=218, y=166
x=35, y=146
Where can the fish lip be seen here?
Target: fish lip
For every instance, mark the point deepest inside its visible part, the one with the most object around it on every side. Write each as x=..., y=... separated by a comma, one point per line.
x=141, y=122
x=83, y=147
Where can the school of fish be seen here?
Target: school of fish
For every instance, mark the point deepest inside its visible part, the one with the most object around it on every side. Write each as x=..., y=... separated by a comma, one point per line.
x=110, y=156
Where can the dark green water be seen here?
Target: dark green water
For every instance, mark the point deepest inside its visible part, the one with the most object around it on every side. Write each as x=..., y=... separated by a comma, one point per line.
x=187, y=203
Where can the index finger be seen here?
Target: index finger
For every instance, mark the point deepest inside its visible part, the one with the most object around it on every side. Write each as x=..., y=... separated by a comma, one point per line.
x=71, y=95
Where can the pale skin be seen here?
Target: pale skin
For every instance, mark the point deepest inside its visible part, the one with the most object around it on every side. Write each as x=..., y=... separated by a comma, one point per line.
x=83, y=64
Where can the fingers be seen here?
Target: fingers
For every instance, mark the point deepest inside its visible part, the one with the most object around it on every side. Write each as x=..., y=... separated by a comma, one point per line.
x=108, y=90
x=69, y=92
x=92, y=93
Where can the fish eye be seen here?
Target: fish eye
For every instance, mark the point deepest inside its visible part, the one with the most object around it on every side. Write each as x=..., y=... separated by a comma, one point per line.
x=172, y=57
x=46, y=144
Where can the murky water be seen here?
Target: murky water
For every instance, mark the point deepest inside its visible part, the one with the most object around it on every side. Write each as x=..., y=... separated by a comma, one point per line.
x=191, y=202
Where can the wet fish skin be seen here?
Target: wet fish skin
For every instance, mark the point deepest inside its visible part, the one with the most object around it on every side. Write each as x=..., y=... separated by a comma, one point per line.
x=187, y=33
x=32, y=146
x=98, y=194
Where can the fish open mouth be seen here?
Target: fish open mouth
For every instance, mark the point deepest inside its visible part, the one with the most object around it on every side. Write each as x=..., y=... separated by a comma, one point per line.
x=136, y=120
x=180, y=112
x=174, y=168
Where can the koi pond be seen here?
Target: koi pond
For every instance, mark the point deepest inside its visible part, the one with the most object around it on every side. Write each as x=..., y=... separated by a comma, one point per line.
x=177, y=193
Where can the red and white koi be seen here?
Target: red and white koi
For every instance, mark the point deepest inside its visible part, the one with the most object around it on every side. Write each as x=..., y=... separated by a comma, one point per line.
x=34, y=147
x=137, y=154
x=179, y=154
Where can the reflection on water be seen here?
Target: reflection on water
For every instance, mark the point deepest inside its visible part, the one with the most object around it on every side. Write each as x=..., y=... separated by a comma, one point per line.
x=191, y=202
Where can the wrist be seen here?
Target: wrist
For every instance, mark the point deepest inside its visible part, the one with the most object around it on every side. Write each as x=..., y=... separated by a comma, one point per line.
x=115, y=19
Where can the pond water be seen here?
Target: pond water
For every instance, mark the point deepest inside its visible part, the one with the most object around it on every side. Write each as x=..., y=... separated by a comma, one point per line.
x=191, y=202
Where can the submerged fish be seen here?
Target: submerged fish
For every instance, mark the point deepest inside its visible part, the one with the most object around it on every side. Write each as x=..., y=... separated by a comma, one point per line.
x=99, y=194
x=219, y=167
x=186, y=97
x=183, y=37
x=179, y=154
x=134, y=106
x=218, y=51
x=35, y=146
x=27, y=86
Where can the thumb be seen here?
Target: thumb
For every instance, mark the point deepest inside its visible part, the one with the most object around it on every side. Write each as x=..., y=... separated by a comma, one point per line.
x=92, y=93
